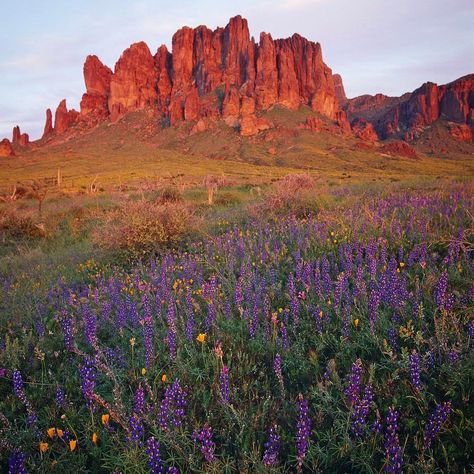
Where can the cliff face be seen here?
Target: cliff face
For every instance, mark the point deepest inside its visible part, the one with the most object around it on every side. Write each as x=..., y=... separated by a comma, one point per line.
x=407, y=116
x=226, y=74
x=208, y=75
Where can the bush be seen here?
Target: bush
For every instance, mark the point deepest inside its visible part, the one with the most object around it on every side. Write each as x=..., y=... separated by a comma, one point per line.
x=14, y=226
x=170, y=194
x=144, y=227
x=294, y=194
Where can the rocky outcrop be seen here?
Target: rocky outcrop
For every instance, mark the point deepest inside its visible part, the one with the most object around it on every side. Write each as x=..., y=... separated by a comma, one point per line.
x=408, y=116
x=6, y=148
x=251, y=125
x=214, y=73
x=339, y=89
x=48, y=126
x=399, y=148
x=64, y=118
x=364, y=130
x=133, y=85
x=20, y=139
x=94, y=103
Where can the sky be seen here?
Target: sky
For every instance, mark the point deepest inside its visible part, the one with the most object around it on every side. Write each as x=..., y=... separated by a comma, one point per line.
x=388, y=46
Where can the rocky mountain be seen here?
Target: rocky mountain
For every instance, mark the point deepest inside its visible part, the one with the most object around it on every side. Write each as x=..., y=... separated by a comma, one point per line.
x=408, y=116
x=225, y=74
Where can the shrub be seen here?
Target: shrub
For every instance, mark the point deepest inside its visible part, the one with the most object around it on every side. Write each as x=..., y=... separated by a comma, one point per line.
x=15, y=226
x=170, y=194
x=144, y=227
x=294, y=194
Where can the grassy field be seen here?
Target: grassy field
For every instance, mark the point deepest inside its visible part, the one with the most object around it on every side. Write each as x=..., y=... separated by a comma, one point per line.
x=137, y=150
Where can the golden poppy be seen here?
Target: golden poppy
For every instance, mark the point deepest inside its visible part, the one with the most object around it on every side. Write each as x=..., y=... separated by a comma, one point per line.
x=59, y=432
x=72, y=444
x=201, y=337
x=105, y=419
x=356, y=323
x=94, y=438
x=164, y=378
x=51, y=432
x=43, y=447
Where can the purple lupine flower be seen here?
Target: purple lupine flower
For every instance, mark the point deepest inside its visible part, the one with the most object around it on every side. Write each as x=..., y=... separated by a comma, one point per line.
x=18, y=388
x=171, y=318
x=374, y=301
x=224, y=384
x=204, y=436
x=415, y=370
x=440, y=289
x=16, y=462
x=272, y=447
x=353, y=389
x=303, y=430
x=148, y=341
x=60, y=397
x=172, y=470
x=154, y=460
x=435, y=423
x=393, y=339
x=284, y=336
x=278, y=373
x=377, y=425
x=139, y=403
x=173, y=405
x=136, y=429
x=361, y=410
x=393, y=450
x=453, y=356
x=90, y=321
x=67, y=329
x=88, y=376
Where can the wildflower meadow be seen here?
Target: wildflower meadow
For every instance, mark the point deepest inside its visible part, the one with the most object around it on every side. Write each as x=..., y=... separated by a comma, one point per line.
x=333, y=341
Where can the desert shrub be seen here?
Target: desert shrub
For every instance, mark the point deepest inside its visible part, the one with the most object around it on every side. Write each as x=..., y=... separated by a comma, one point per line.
x=170, y=194
x=294, y=194
x=16, y=226
x=144, y=227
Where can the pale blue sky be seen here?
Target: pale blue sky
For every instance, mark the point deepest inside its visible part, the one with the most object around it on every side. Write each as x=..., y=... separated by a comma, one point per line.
x=389, y=46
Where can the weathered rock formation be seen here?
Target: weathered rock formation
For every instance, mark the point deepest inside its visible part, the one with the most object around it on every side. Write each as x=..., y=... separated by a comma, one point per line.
x=364, y=130
x=48, y=126
x=339, y=89
x=94, y=103
x=399, y=148
x=208, y=75
x=64, y=118
x=20, y=139
x=6, y=148
x=407, y=116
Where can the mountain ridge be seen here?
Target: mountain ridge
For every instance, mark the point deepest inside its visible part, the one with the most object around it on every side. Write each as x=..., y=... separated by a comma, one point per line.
x=225, y=74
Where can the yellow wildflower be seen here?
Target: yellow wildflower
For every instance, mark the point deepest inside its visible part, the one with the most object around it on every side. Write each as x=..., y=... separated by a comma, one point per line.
x=143, y=371
x=43, y=447
x=201, y=338
x=356, y=323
